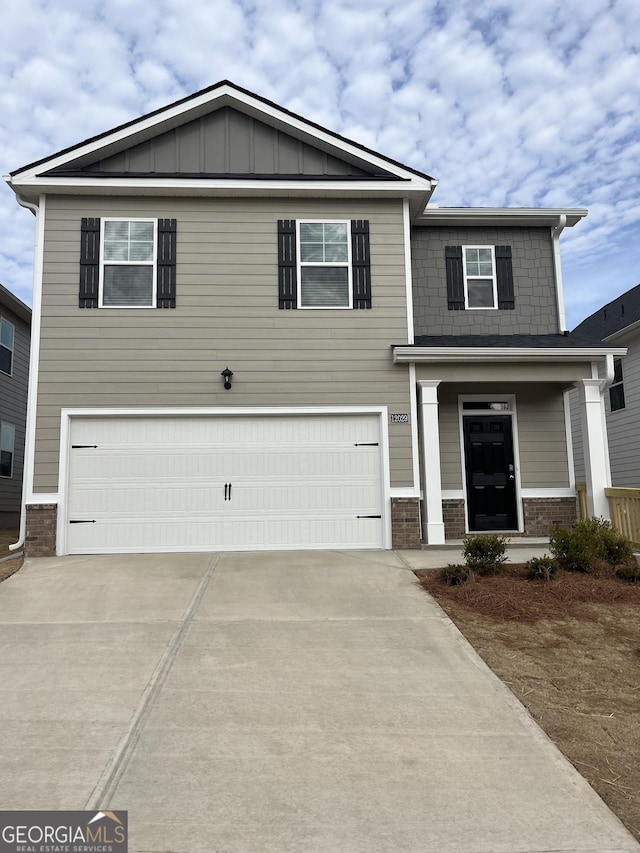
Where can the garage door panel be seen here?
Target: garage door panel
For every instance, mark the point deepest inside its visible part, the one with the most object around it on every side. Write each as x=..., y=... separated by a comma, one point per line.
x=210, y=483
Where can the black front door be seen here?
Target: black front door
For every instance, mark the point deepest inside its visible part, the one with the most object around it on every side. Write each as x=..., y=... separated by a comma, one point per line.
x=490, y=472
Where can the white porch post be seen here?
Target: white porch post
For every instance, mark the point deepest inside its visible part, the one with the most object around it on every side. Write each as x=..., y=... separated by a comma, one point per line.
x=596, y=450
x=431, y=480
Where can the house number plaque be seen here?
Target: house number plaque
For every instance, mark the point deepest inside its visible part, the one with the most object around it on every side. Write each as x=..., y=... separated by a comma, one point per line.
x=399, y=418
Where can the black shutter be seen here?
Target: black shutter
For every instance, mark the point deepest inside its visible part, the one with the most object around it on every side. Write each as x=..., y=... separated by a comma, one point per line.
x=360, y=263
x=287, y=278
x=166, y=282
x=455, y=278
x=504, y=277
x=89, y=263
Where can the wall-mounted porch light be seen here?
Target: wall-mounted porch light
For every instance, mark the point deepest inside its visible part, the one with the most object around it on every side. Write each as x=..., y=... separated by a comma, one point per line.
x=226, y=378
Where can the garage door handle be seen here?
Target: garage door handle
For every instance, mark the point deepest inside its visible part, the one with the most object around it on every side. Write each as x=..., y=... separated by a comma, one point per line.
x=81, y=521
x=84, y=446
x=227, y=491
x=368, y=516
x=367, y=444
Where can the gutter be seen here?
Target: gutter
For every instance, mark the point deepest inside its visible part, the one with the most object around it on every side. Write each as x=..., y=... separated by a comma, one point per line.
x=556, y=231
x=417, y=354
x=34, y=363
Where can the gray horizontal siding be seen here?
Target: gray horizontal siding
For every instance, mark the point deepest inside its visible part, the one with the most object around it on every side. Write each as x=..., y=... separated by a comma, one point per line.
x=535, y=310
x=227, y=315
x=623, y=426
x=541, y=434
x=13, y=410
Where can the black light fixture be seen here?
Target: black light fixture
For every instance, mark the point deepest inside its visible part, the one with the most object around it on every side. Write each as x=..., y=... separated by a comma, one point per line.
x=226, y=376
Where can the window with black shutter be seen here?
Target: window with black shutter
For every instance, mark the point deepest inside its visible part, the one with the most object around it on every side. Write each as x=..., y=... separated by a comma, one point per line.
x=479, y=277
x=324, y=264
x=127, y=263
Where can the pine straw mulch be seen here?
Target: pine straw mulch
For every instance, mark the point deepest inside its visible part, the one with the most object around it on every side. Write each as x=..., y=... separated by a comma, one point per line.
x=7, y=537
x=569, y=649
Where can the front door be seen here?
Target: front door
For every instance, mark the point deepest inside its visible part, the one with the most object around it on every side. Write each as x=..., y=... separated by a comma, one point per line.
x=490, y=472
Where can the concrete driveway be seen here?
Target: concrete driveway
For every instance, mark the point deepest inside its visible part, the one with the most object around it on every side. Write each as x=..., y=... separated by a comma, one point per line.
x=273, y=702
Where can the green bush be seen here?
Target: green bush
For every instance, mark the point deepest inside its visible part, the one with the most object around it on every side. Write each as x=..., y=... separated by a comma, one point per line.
x=629, y=573
x=578, y=548
x=484, y=554
x=453, y=575
x=542, y=568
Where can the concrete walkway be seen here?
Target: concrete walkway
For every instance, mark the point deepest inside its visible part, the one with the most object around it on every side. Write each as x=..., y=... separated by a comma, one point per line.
x=273, y=702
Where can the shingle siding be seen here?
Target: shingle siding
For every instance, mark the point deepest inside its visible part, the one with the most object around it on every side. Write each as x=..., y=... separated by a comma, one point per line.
x=535, y=309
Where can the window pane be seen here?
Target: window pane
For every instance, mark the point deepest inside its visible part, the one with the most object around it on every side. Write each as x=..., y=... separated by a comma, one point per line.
x=116, y=230
x=335, y=232
x=617, y=370
x=480, y=293
x=7, y=437
x=616, y=397
x=312, y=231
x=335, y=253
x=125, y=285
x=6, y=463
x=484, y=256
x=141, y=231
x=128, y=241
x=324, y=287
x=6, y=359
x=139, y=251
x=324, y=242
x=311, y=252
x=6, y=334
x=116, y=251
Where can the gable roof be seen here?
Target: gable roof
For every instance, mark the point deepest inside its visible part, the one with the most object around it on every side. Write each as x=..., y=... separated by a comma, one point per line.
x=98, y=166
x=11, y=302
x=613, y=319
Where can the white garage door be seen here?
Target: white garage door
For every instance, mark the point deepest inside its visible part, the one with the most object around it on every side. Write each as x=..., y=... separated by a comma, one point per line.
x=144, y=484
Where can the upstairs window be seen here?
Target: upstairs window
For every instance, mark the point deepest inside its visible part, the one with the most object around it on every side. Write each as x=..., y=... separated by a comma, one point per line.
x=479, y=277
x=324, y=261
x=7, y=333
x=128, y=269
x=7, y=442
x=616, y=391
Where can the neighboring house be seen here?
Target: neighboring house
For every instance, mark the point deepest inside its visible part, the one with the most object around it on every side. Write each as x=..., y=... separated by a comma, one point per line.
x=253, y=333
x=15, y=335
x=616, y=324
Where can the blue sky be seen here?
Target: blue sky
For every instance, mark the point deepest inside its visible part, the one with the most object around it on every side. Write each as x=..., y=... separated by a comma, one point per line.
x=506, y=102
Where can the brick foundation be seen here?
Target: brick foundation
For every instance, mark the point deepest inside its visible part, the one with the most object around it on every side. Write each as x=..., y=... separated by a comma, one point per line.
x=40, y=540
x=405, y=523
x=539, y=514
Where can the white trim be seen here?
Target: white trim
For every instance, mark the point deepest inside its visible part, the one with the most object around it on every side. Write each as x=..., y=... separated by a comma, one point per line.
x=66, y=415
x=511, y=399
x=568, y=492
x=566, y=402
x=453, y=494
x=408, y=275
x=432, y=518
x=153, y=263
x=556, y=231
x=224, y=95
x=535, y=216
x=328, y=264
x=466, y=278
x=405, y=354
x=415, y=444
x=404, y=492
x=43, y=498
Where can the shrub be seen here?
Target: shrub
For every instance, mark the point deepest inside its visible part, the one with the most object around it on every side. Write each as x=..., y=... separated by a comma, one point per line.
x=485, y=553
x=629, y=573
x=542, y=568
x=578, y=547
x=453, y=575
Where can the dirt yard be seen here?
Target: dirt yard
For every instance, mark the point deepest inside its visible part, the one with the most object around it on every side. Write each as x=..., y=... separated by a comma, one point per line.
x=570, y=651
x=7, y=537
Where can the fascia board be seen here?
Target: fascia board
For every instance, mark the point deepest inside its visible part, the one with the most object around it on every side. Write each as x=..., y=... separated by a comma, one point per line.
x=407, y=355
x=145, y=128
x=632, y=327
x=500, y=216
x=204, y=186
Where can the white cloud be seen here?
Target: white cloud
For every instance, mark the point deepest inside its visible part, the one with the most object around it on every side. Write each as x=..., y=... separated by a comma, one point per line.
x=505, y=102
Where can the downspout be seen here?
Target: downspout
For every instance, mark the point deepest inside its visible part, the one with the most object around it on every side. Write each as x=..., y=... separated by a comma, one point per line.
x=607, y=382
x=556, y=231
x=30, y=432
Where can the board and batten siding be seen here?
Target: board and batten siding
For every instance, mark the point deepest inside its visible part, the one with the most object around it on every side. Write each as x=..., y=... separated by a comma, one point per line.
x=13, y=410
x=541, y=434
x=226, y=315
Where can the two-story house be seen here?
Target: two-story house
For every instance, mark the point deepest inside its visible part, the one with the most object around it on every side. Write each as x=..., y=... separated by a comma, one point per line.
x=616, y=324
x=253, y=333
x=15, y=334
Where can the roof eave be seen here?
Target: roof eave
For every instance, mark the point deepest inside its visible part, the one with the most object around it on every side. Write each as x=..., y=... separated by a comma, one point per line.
x=497, y=216
x=415, y=354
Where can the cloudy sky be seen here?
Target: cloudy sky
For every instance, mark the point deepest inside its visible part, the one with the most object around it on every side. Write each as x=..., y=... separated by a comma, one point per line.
x=506, y=102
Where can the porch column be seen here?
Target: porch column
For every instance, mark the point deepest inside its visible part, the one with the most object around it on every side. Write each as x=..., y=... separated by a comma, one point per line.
x=431, y=480
x=596, y=449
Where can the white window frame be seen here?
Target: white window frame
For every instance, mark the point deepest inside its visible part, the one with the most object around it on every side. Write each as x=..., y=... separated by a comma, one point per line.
x=12, y=348
x=13, y=448
x=300, y=264
x=153, y=262
x=617, y=383
x=470, y=278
